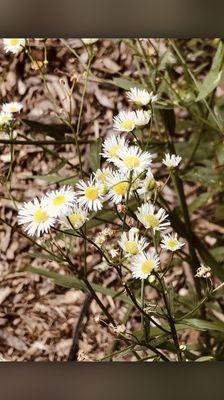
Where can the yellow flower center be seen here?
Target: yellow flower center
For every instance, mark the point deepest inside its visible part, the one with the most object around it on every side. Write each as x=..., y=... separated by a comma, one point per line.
x=76, y=218
x=102, y=177
x=59, y=200
x=12, y=108
x=40, y=216
x=172, y=243
x=152, y=221
x=147, y=266
x=114, y=149
x=14, y=42
x=92, y=193
x=5, y=118
x=138, y=101
x=127, y=124
x=131, y=247
x=121, y=188
x=132, y=162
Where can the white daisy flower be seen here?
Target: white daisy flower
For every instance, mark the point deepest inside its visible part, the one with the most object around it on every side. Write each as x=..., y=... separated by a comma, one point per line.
x=147, y=215
x=141, y=97
x=112, y=145
x=131, y=243
x=87, y=41
x=12, y=107
x=170, y=242
x=133, y=159
x=14, y=45
x=125, y=121
x=147, y=184
x=171, y=160
x=142, y=117
x=101, y=176
x=5, y=118
x=75, y=217
x=143, y=264
x=90, y=195
x=58, y=201
x=36, y=216
x=118, y=185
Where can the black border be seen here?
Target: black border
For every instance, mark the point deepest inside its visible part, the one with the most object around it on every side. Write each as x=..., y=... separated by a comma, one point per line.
x=62, y=381
x=111, y=19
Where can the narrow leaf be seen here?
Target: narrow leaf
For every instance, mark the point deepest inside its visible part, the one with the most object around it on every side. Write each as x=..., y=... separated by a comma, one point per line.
x=212, y=79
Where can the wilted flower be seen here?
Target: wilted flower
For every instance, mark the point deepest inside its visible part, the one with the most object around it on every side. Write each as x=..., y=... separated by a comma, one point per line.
x=117, y=329
x=203, y=272
x=102, y=236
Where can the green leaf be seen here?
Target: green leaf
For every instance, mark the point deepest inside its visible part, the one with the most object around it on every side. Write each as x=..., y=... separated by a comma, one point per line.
x=55, y=131
x=55, y=179
x=127, y=84
x=220, y=152
x=201, y=200
x=194, y=323
x=204, y=325
x=75, y=283
x=204, y=359
x=95, y=150
x=219, y=212
x=212, y=79
x=206, y=176
x=218, y=253
x=58, y=167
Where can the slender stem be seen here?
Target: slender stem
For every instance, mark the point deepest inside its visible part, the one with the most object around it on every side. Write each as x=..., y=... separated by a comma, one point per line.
x=170, y=317
x=84, y=311
x=169, y=313
x=132, y=297
x=143, y=306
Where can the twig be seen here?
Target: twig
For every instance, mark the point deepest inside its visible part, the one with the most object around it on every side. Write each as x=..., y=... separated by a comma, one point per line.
x=84, y=311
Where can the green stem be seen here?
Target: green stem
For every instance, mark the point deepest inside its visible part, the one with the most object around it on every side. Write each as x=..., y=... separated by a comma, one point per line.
x=170, y=318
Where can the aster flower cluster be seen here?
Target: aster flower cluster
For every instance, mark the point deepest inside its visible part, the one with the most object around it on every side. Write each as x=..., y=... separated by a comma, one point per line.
x=127, y=175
